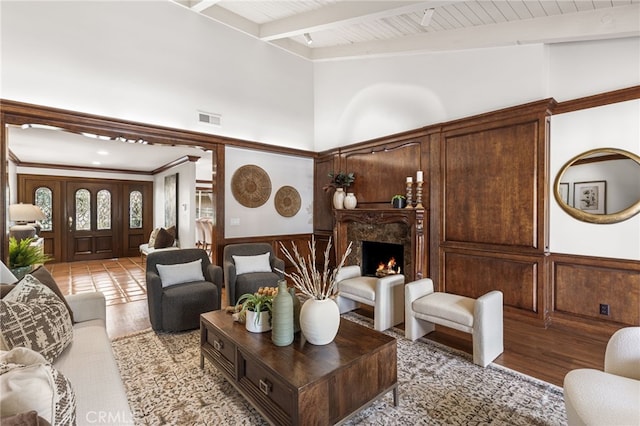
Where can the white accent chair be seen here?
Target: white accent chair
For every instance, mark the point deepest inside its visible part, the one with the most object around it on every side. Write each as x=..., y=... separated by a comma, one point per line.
x=481, y=317
x=612, y=396
x=384, y=294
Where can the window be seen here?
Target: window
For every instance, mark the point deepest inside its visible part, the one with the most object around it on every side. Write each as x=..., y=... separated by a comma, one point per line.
x=135, y=210
x=44, y=200
x=83, y=210
x=104, y=209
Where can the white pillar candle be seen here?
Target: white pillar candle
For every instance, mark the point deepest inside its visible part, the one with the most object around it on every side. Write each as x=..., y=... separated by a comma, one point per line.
x=409, y=179
x=419, y=176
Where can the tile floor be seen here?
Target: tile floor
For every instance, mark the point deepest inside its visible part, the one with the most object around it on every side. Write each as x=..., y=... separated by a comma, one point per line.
x=121, y=280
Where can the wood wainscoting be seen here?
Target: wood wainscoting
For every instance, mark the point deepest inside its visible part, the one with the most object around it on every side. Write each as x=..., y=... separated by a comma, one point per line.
x=580, y=284
x=301, y=241
x=521, y=278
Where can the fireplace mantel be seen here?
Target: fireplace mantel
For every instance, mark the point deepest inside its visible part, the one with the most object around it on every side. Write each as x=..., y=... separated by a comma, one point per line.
x=414, y=219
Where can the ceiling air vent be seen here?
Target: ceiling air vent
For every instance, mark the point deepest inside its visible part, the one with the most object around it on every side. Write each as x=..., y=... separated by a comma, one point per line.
x=209, y=118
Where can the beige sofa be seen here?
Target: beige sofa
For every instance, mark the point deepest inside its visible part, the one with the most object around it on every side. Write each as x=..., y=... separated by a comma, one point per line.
x=90, y=366
x=88, y=363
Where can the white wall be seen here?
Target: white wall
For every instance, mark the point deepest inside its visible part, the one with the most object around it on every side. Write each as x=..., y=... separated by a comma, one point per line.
x=583, y=69
x=361, y=99
x=186, y=202
x=615, y=126
x=241, y=221
x=154, y=62
x=80, y=173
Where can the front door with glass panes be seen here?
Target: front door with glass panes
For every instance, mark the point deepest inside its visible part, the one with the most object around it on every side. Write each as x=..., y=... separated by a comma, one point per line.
x=89, y=218
x=91, y=210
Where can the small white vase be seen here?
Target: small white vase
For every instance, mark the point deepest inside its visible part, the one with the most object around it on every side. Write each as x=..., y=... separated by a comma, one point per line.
x=350, y=201
x=319, y=321
x=338, y=198
x=260, y=325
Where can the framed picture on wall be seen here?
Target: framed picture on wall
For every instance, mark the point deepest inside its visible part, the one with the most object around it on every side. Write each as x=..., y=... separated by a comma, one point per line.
x=564, y=193
x=171, y=201
x=590, y=197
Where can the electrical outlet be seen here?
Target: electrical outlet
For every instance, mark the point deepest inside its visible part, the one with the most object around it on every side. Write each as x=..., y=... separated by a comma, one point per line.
x=604, y=309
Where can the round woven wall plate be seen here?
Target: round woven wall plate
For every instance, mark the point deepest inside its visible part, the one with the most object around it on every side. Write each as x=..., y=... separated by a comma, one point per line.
x=287, y=201
x=251, y=186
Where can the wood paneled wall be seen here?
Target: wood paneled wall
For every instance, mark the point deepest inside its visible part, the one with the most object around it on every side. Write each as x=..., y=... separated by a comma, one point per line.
x=580, y=284
x=301, y=241
x=492, y=219
x=487, y=198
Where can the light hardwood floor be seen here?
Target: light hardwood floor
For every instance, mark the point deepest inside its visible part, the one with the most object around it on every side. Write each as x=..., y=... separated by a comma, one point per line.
x=547, y=354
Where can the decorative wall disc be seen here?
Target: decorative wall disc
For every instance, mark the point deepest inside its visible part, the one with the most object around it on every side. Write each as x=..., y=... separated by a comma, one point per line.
x=287, y=201
x=251, y=186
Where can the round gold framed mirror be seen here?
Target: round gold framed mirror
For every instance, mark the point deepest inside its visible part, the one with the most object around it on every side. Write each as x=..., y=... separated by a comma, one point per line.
x=590, y=185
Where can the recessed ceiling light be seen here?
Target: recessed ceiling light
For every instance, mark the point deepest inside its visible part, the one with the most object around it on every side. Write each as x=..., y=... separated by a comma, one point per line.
x=103, y=153
x=96, y=163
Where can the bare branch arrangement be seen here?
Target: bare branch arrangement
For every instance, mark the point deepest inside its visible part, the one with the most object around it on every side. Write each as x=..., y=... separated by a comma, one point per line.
x=308, y=279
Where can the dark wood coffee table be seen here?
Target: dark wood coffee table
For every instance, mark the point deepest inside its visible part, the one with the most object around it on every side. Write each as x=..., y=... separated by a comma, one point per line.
x=302, y=384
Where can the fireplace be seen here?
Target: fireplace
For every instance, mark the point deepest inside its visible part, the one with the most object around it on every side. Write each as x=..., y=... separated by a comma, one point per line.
x=399, y=227
x=381, y=259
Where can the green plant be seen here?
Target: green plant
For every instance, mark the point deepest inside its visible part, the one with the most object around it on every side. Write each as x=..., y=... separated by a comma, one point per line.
x=398, y=197
x=22, y=253
x=340, y=180
x=254, y=302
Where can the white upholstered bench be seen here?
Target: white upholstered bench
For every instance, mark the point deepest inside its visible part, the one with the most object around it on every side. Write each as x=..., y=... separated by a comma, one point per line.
x=384, y=294
x=481, y=317
x=145, y=250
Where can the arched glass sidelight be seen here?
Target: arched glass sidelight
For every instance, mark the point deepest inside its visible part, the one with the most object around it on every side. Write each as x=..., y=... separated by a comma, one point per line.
x=44, y=200
x=135, y=210
x=83, y=210
x=104, y=209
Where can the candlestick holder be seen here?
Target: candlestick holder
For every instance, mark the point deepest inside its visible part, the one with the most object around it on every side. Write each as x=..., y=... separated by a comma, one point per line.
x=419, y=195
x=409, y=195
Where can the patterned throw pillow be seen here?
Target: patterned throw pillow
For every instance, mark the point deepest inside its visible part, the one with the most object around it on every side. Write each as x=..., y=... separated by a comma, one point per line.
x=43, y=275
x=33, y=316
x=152, y=237
x=28, y=382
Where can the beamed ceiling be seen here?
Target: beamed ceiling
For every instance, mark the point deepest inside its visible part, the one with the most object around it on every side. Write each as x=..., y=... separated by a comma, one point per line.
x=348, y=28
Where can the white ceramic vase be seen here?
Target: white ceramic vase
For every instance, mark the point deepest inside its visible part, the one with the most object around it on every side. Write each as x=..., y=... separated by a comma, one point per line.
x=319, y=321
x=338, y=198
x=260, y=325
x=350, y=201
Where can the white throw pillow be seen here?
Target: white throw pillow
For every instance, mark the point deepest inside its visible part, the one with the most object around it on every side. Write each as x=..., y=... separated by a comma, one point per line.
x=33, y=316
x=180, y=273
x=248, y=264
x=28, y=382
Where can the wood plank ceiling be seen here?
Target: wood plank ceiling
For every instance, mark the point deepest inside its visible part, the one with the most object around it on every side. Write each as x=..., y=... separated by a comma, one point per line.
x=354, y=28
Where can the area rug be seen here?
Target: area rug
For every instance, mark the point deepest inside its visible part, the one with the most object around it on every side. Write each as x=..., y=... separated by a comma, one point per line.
x=437, y=386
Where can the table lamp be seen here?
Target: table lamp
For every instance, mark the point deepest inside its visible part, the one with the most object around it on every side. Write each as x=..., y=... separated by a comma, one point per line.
x=25, y=216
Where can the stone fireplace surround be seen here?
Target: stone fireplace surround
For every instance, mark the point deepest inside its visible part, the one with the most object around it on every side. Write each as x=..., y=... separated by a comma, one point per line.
x=397, y=226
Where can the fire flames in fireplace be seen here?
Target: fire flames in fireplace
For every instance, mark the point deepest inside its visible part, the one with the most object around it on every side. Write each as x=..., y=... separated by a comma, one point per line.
x=389, y=268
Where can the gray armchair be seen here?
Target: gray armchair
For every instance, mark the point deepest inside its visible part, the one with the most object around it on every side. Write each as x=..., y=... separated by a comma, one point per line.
x=237, y=284
x=176, y=305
